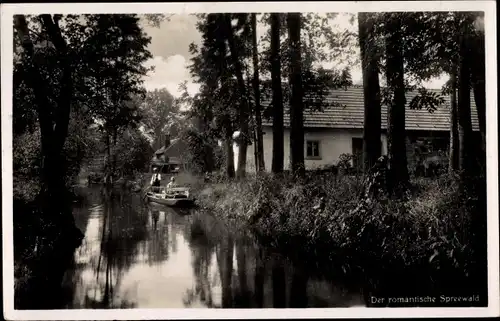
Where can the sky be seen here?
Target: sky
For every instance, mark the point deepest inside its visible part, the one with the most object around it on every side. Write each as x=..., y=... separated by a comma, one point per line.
x=170, y=49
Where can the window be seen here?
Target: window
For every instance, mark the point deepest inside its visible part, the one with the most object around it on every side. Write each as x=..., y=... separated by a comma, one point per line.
x=357, y=153
x=312, y=149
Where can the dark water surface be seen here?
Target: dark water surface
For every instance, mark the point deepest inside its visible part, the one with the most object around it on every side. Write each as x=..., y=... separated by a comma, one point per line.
x=147, y=256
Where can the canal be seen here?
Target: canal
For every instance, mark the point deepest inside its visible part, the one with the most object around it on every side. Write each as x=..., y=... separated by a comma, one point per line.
x=145, y=256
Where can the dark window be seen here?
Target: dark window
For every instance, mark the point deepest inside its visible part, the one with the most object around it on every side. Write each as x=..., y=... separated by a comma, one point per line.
x=312, y=148
x=357, y=153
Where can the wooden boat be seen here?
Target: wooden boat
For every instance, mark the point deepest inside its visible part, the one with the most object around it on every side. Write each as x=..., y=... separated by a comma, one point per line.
x=177, y=196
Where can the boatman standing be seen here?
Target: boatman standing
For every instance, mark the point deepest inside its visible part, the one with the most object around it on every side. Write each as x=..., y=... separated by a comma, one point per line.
x=156, y=178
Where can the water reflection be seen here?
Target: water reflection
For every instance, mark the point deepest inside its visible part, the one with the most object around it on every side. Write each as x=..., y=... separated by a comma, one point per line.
x=137, y=256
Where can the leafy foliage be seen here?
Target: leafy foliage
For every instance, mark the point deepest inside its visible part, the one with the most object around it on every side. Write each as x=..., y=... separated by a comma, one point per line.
x=105, y=55
x=117, y=79
x=317, y=36
x=426, y=100
x=161, y=115
x=133, y=152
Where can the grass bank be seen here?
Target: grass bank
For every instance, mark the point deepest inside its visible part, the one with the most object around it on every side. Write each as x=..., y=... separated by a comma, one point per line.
x=426, y=243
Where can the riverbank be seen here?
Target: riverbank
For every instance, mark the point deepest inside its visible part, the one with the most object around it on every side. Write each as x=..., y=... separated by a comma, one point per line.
x=424, y=244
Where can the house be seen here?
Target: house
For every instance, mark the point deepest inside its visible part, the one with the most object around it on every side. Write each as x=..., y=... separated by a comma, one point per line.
x=338, y=130
x=171, y=156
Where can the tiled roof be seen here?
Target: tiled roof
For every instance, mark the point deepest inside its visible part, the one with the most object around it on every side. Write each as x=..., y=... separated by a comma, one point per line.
x=345, y=109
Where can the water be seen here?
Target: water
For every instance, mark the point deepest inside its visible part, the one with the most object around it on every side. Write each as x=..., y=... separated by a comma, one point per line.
x=148, y=256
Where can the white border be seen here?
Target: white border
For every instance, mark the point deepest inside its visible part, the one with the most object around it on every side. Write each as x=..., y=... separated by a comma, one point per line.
x=7, y=11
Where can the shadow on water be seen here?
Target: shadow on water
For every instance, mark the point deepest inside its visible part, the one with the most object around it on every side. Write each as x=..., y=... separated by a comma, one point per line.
x=147, y=256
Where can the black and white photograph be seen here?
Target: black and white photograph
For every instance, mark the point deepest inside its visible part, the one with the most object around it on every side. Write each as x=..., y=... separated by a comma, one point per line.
x=249, y=160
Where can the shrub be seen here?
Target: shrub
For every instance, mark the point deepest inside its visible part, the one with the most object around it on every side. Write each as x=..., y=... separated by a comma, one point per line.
x=26, y=165
x=429, y=231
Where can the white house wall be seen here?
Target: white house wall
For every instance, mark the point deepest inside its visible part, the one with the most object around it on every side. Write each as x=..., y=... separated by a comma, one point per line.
x=333, y=143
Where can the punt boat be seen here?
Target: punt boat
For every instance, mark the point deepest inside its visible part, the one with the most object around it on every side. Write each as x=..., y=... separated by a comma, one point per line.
x=175, y=197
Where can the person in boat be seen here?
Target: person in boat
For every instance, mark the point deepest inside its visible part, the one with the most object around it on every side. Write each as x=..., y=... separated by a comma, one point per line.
x=155, y=180
x=207, y=177
x=172, y=183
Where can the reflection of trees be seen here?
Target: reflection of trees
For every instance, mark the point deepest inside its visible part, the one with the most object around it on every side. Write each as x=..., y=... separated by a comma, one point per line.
x=172, y=232
x=279, y=285
x=224, y=255
x=243, y=296
x=298, y=295
x=157, y=244
x=259, y=278
x=202, y=247
x=81, y=210
x=123, y=228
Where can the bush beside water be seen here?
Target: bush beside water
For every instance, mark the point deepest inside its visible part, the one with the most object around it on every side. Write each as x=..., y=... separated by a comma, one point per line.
x=422, y=244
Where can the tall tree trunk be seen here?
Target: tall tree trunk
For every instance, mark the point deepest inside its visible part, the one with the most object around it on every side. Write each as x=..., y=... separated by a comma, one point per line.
x=208, y=151
x=296, y=103
x=53, y=123
x=398, y=176
x=256, y=90
x=465, y=161
x=244, y=109
x=115, y=137
x=278, y=130
x=228, y=125
x=228, y=143
x=372, y=145
x=57, y=224
x=255, y=148
x=107, y=174
x=454, y=141
x=158, y=141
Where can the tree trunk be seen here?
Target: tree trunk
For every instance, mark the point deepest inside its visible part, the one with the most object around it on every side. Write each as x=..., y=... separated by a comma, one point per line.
x=208, y=164
x=244, y=109
x=372, y=145
x=226, y=118
x=115, y=137
x=256, y=89
x=296, y=103
x=454, y=141
x=57, y=225
x=228, y=143
x=53, y=121
x=255, y=149
x=107, y=174
x=398, y=177
x=277, y=100
x=208, y=151
x=53, y=124
x=465, y=161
